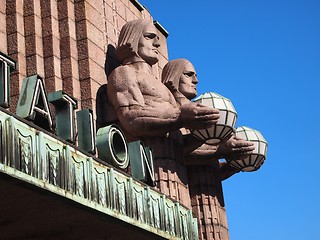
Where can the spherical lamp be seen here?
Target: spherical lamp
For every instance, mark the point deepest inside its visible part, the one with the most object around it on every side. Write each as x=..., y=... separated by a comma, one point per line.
x=226, y=122
x=254, y=161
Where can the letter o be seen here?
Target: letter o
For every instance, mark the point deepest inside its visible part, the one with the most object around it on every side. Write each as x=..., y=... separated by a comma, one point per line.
x=112, y=146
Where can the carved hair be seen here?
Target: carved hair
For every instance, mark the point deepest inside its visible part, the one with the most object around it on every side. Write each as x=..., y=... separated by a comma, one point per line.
x=172, y=72
x=129, y=38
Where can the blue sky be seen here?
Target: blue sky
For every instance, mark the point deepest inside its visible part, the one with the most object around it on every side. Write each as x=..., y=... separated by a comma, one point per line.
x=265, y=57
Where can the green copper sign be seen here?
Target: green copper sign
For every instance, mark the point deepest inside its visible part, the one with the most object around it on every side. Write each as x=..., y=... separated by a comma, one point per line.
x=40, y=159
x=64, y=113
x=112, y=146
x=6, y=66
x=86, y=133
x=33, y=103
x=141, y=162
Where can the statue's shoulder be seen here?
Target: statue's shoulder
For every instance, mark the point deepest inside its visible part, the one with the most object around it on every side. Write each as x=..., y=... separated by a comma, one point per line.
x=122, y=72
x=122, y=78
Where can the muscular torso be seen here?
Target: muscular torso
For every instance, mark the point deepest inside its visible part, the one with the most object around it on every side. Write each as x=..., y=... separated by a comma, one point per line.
x=144, y=105
x=154, y=92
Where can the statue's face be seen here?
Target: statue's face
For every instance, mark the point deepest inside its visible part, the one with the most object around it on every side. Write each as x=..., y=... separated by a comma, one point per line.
x=188, y=81
x=149, y=44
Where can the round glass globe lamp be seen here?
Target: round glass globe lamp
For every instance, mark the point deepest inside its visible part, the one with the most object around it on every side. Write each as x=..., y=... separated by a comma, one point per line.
x=254, y=161
x=226, y=122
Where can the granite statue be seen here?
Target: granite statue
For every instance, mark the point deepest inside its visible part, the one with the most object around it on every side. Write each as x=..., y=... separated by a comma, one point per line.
x=144, y=106
x=180, y=77
x=205, y=172
x=146, y=110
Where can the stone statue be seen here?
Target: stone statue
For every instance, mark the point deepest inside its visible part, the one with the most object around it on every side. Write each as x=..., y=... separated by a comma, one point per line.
x=204, y=171
x=143, y=104
x=180, y=77
x=147, y=110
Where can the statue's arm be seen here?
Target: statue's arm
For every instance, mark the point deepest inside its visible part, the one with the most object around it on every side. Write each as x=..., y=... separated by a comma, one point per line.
x=232, y=148
x=153, y=119
x=140, y=121
x=202, y=154
x=226, y=170
x=206, y=154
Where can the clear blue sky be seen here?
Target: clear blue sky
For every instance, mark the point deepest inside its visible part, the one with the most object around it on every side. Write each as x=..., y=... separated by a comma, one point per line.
x=265, y=56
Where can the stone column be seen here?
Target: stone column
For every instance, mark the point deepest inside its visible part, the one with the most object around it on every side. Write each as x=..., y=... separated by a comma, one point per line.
x=171, y=175
x=207, y=201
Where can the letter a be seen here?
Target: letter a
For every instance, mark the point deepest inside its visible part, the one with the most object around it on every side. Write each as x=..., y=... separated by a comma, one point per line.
x=33, y=103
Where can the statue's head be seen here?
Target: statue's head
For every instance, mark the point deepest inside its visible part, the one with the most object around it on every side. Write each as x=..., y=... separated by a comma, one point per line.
x=180, y=77
x=138, y=39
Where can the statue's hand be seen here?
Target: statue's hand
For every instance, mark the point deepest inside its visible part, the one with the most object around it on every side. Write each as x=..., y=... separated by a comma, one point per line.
x=198, y=116
x=204, y=154
x=235, y=148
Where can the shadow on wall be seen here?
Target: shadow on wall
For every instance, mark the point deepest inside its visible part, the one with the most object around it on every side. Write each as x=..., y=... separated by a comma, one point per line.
x=111, y=60
x=104, y=111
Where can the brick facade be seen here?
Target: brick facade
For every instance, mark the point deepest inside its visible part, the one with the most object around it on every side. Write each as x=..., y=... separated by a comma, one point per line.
x=70, y=44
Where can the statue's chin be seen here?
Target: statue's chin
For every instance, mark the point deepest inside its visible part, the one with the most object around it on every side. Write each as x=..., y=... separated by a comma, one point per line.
x=152, y=61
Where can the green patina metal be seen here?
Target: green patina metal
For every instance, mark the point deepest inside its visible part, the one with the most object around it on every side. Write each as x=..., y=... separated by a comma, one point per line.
x=7, y=65
x=33, y=103
x=141, y=162
x=161, y=28
x=40, y=159
x=86, y=134
x=64, y=113
x=137, y=4
x=112, y=146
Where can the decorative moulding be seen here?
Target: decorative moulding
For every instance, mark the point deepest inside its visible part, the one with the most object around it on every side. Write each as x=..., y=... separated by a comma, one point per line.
x=161, y=28
x=138, y=5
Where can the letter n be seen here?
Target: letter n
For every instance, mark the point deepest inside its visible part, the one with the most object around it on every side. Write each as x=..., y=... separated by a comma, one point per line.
x=141, y=162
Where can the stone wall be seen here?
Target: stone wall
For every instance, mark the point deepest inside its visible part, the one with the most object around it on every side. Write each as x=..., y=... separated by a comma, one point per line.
x=66, y=42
